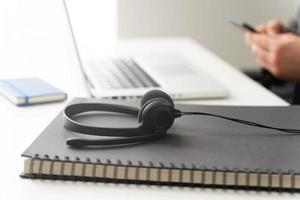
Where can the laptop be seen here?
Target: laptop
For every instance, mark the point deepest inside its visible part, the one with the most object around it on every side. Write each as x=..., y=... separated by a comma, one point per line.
x=130, y=77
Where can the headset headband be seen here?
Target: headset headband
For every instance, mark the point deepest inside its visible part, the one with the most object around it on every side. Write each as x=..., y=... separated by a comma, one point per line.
x=74, y=109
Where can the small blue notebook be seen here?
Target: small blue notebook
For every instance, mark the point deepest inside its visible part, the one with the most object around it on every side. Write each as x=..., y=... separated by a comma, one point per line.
x=27, y=91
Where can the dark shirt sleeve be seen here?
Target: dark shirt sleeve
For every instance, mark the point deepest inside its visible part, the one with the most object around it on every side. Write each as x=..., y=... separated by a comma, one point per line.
x=294, y=25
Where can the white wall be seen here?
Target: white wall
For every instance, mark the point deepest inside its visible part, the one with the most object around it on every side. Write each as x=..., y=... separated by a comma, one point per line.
x=203, y=20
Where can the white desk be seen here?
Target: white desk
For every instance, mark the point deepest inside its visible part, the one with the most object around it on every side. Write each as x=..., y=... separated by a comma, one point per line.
x=41, y=46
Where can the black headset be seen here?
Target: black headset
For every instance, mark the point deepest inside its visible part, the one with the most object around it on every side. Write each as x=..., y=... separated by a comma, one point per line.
x=156, y=116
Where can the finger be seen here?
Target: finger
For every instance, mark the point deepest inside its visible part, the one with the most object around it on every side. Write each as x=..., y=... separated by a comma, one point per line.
x=262, y=63
x=275, y=27
x=261, y=40
x=261, y=55
x=262, y=28
x=248, y=38
x=274, y=72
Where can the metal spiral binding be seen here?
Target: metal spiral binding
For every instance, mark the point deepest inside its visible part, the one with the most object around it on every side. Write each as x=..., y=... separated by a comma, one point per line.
x=192, y=175
x=214, y=181
x=72, y=176
x=138, y=175
x=258, y=174
x=148, y=171
x=35, y=157
x=83, y=170
x=105, y=169
x=94, y=171
x=98, y=162
x=161, y=165
x=51, y=168
x=280, y=179
x=40, y=170
x=182, y=167
x=126, y=171
x=270, y=179
x=62, y=167
x=203, y=169
x=172, y=166
x=247, y=171
x=293, y=180
x=116, y=169
x=236, y=178
x=87, y=170
x=42, y=160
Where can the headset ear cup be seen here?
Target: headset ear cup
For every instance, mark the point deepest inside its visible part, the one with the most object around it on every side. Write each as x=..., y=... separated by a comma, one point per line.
x=155, y=94
x=157, y=114
x=140, y=114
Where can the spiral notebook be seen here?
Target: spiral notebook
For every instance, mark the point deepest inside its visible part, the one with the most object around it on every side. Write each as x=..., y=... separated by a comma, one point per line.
x=198, y=151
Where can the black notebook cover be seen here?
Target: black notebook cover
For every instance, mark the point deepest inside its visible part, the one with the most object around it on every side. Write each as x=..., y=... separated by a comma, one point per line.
x=193, y=141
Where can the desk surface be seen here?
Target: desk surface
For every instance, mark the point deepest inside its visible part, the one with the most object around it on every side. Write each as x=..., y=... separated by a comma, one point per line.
x=33, y=48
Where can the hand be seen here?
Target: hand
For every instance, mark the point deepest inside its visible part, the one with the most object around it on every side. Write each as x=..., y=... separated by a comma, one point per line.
x=272, y=27
x=277, y=53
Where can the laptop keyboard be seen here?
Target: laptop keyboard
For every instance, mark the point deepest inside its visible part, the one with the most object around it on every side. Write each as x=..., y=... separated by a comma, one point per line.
x=121, y=73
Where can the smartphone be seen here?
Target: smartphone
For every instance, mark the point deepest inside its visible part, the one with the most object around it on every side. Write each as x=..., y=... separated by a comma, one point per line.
x=241, y=25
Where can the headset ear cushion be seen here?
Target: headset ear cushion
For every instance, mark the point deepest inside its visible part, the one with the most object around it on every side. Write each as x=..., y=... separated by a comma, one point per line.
x=156, y=94
x=140, y=114
x=156, y=114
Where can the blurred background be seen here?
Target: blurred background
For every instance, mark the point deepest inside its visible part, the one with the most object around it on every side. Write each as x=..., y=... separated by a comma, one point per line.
x=203, y=20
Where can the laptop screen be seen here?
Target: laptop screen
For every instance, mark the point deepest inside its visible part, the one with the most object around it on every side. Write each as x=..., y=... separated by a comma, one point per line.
x=94, y=26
